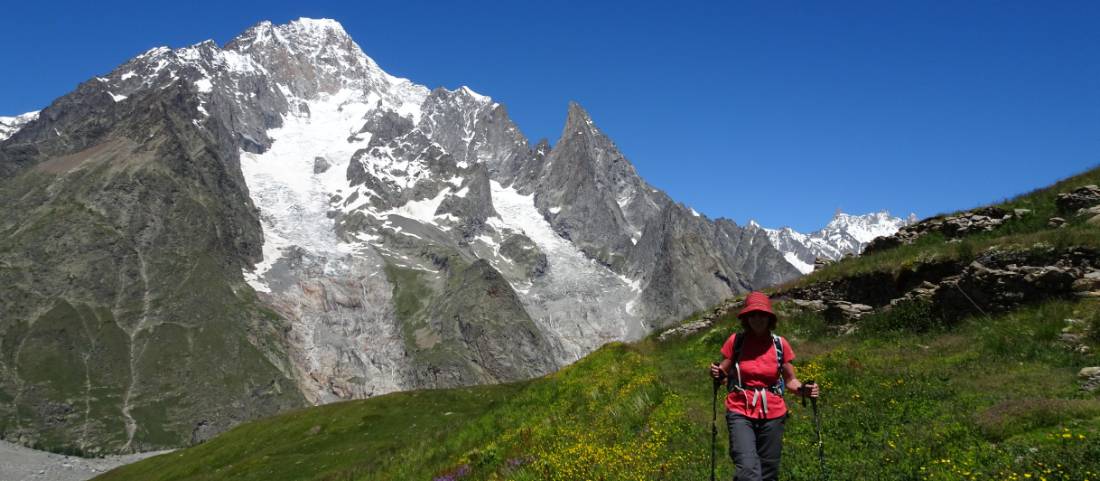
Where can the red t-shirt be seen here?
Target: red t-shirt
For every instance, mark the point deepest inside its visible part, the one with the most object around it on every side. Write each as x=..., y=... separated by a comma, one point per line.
x=758, y=369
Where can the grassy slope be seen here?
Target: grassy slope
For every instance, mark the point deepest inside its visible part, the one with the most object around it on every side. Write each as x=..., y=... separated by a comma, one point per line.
x=975, y=399
x=988, y=398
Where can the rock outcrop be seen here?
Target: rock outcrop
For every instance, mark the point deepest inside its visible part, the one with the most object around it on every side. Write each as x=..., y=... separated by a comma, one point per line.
x=952, y=227
x=997, y=281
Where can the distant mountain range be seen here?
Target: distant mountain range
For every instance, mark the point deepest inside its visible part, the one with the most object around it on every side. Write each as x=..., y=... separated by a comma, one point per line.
x=845, y=234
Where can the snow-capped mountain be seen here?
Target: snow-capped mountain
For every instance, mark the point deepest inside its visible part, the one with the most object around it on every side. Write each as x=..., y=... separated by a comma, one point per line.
x=9, y=125
x=845, y=234
x=283, y=212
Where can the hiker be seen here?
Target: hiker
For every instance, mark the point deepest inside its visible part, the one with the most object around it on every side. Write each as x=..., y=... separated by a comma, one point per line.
x=757, y=366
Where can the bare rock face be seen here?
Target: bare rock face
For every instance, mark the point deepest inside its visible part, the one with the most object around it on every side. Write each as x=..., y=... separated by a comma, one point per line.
x=126, y=296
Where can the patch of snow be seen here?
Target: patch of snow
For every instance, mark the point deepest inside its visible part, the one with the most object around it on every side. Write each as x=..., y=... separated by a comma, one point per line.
x=204, y=85
x=554, y=300
x=798, y=263
x=478, y=97
x=421, y=210
x=117, y=98
x=155, y=51
x=240, y=63
x=293, y=201
x=448, y=217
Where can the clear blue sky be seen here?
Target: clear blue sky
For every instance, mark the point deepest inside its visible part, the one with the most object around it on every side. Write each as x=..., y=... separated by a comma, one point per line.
x=778, y=111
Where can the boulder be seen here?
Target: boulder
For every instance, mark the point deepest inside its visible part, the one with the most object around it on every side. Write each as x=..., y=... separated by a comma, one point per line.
x=1091, y=384
x=815, y=305
x=837, y=312
x=1090, y=212
x=1088, y=282
x=1056, y=222
x=1077, y=199
x=320, y=165
x=685, y=329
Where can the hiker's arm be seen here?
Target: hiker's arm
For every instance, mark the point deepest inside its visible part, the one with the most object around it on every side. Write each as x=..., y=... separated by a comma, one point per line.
x=720, y=370
x=794, y=385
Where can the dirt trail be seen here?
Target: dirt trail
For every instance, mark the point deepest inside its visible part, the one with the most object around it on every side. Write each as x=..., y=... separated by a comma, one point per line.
x=18, y=463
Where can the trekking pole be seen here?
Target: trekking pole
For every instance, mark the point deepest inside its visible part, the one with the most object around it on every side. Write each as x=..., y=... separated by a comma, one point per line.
x=714, y=426
x=817, y=429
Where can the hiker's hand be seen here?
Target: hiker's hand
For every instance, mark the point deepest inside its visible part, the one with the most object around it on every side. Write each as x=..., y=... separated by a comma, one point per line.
x=810, y=390
x=716, y=372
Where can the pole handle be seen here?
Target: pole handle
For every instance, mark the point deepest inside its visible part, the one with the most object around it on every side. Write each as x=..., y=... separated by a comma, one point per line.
x=807, y=383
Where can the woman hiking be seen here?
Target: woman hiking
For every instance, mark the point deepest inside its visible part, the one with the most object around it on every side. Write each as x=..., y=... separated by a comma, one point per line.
x=757, y=366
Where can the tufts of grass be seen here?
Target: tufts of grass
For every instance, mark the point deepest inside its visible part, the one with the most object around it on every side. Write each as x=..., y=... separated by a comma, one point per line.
x=1019, y=416
x=906, y=317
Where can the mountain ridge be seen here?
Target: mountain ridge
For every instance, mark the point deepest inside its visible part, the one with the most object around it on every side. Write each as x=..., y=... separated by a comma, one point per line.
x=358, y=234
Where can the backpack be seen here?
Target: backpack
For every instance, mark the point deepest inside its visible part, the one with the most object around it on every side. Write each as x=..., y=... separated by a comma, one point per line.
x=738, y=343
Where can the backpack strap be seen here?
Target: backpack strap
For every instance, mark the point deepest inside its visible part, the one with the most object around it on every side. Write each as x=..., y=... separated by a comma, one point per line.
x=738, y=344
x=779, y=384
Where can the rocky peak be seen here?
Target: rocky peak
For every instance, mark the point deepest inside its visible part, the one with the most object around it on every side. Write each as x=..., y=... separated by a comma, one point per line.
x=310, y=57
x=577, y=121
x=453, y=119
x=304, y=34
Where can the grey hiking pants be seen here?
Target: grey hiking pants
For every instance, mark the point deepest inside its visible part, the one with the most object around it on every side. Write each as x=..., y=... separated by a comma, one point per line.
x=755, y=446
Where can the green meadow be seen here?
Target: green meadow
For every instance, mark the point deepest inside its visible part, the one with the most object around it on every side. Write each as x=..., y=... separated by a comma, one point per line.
x=989, y=398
